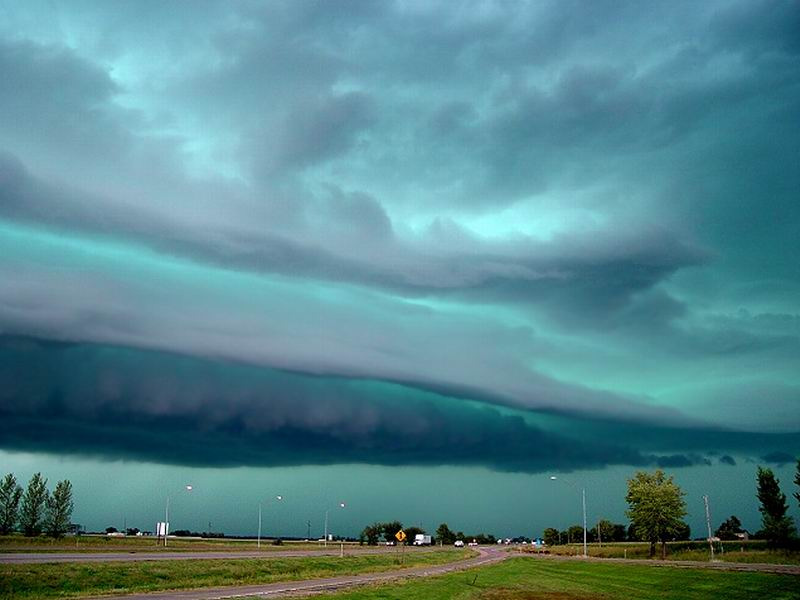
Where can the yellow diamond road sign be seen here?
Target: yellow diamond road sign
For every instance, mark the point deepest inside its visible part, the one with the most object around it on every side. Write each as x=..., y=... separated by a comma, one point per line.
x=400, y=535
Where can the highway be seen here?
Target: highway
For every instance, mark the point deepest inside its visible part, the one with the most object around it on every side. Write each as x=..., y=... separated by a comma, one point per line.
x=133, y=556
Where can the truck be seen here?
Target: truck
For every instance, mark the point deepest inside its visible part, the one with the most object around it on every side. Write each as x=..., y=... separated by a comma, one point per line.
x=422, y=540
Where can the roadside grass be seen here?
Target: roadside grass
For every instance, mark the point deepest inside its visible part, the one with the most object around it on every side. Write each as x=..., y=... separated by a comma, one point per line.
x=755, y=551
x=73, y=580
x=531, y=579
x=102, y=543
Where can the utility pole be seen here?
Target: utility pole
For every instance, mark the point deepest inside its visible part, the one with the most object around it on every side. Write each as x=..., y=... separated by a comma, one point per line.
x=308, y=531
x=708, y=523
x=166, y=522
x=583, y=494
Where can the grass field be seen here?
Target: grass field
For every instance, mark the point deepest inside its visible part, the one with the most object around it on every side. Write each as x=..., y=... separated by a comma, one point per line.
x=748, y=552
x=102, y=543
x=531, y=579
x=72, y=580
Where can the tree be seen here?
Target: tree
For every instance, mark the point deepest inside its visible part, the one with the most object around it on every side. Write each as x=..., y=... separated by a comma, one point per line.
x=797, y=482
x=729, y=528
x=575, y=534
x=777, y=525
x=389, y=529
x=604, y=531
x=445, y=535
x=618, y=535
x=59, y=510
x=684, y=532
x=33, y=505
x=411, y=534
x=10, y=494
x=372, y=533
x=550, y=536
x=656, y=509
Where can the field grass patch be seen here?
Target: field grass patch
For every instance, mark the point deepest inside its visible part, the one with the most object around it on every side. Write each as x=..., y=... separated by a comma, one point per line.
x=73, y=580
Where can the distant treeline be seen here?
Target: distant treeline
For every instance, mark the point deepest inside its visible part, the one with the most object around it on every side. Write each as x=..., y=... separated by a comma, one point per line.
x=386, y=532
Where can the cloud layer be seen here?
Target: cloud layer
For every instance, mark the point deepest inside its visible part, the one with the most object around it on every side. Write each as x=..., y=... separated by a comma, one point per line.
x=471, y=215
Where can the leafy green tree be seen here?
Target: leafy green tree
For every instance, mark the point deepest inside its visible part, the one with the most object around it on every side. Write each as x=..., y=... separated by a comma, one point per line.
x=550, y=536
x=59, y=510
x=372, y=533
x=445, y=535
x=575, y=534
x=604, y=531
x=411, y=534
x=390, y=529
x=10, y=494
x=729, y=528
x=618, y=534
x=797, y=481
x=656, y=508
x=33, y=506
x=778, y=527
x=684, y=532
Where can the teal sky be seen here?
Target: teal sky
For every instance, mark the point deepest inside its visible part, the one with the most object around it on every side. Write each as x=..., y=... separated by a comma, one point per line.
x=365, y=249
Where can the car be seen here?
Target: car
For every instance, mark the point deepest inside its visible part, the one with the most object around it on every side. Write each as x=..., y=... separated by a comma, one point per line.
x=459, y=544
x=390, y=543
x=473, y=543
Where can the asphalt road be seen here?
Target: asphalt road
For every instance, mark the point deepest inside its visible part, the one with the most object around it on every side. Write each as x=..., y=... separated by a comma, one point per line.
x=131, y=556
x=292, y=588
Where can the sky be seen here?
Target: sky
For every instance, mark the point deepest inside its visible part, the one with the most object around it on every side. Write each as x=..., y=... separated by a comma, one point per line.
x=411, y=256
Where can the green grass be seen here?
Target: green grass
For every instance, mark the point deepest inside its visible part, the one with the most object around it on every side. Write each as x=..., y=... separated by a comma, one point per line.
x=71, y=580
x=102, y=543
x=748, y=552
x=532, y=579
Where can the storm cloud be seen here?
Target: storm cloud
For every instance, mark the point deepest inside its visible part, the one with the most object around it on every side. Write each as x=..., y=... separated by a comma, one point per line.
x=267, y=234
x=114, y=402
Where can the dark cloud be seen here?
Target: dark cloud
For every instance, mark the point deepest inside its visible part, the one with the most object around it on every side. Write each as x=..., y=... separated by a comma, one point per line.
x=681, y=460
x=116, y=402
x=778, y=458
x=586, y=211
x=315, y=130
x=173, y=409
x=591, y=281
x=726, y=459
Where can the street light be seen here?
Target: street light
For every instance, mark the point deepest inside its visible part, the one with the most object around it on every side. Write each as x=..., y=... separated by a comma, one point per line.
x=327, y=510
x=278, y=498
x=583, y=497
x=188, y=488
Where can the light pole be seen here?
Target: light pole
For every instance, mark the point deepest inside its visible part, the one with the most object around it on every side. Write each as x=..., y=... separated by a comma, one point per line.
x=278, y=498
x=583, y=498
x=327, y=510
x=708, y=524
x=188, y=488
